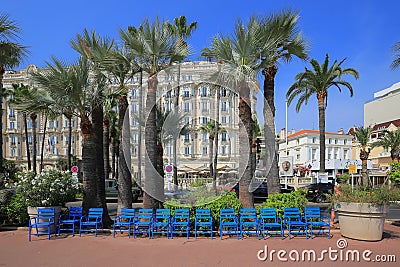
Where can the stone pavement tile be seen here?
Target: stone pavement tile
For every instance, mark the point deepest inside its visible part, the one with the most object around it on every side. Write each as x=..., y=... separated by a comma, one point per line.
x=104, y=250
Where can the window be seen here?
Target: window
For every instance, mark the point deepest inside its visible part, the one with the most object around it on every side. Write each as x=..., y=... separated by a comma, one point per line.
x=30, y=139
x=204, y=136
x=223, y=119
x=223, y=150
x=12, y=112
x=189, y=77
x=134, y=93
x=13, y=153
x=187, y=150
x=204, y=91
x=187, y=138
x=134, y=138
x=12, y=125
x=168, y=94
x=66, y=123
x=29, y=124
x=329, y=141
x=183, y=77
x=204, y=150
x=133, y=122
x=337, y=156
x=13, y=140
x=56, y=124
x=335, y=141
x=314, y=140
x=186, y=106
x=187, y=120
x=223, y=136
x=313, y=154
x=66, y=139
x=345, y=141
x=186, y=93
x=204, y=120
x=224, y=106
x=134, y=107
x=204, y=106
x=51, y=124
x=223, y=92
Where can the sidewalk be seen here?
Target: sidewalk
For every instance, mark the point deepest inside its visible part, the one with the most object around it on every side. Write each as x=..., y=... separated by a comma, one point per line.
x=104, y=250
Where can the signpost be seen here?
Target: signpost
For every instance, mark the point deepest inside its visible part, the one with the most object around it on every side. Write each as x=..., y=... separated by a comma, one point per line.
x=169, y=169
x=75, y=171
x=352, y=171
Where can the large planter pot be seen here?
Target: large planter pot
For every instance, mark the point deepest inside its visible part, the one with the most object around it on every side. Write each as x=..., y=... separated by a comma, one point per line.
x=362, y=221
x=33, y=211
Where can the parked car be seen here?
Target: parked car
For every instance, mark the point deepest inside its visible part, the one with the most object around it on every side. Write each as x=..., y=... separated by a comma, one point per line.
x=317, y=192
x=261, y=192
x=112, y=190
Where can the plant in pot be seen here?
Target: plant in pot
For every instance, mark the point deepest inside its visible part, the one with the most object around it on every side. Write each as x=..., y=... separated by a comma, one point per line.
x=50, y=188
x=362, y=211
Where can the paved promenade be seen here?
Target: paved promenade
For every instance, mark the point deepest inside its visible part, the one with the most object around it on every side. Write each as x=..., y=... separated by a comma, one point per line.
x=104, y=250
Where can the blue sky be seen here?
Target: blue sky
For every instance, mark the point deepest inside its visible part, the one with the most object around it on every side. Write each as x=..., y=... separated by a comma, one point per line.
x=362, y=31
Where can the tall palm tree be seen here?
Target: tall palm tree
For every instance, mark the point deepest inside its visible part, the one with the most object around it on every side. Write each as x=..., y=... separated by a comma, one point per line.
x=240, y=58
x=11, y=55
x=183, y=31
x=161, y=48
x=283, y=28
x=396, y=50
x=317, y=82
x=363, y=135
x=210, y=128
x=391, y=140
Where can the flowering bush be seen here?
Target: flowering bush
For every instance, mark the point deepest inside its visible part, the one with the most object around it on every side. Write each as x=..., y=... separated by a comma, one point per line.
x=48, y=188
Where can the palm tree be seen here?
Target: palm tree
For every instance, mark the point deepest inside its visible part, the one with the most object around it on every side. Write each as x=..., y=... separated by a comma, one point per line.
x=283, y=28
x=240, y=58
x=161, y=47
x=183, y=31
x=317, y=82
x=396, y=50
x=212, y=129
x=363, y=135
x=11, y=55
x=391, y=140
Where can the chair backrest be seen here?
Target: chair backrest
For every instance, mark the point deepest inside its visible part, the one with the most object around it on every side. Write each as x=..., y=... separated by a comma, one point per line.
x=312, y=213
x=268, y=214
x=182, y=213
x=227, y=213
x=75, y=212
x=163, y=213
x=145, y=214
x=126, y=212
x=292, y=213
x=203, y=214
x=95, y=213
x=46, y=214
x=248, y=212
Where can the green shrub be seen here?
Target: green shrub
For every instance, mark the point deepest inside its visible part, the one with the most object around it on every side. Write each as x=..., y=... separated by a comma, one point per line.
x=394, y=174
x=17, y=210
x=343, y=178
x=379, y=195
x=296, y=199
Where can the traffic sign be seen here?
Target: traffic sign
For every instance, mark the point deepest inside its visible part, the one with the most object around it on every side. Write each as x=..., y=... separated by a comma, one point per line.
x=352, y=169
x=74, y=169
x=169, y=168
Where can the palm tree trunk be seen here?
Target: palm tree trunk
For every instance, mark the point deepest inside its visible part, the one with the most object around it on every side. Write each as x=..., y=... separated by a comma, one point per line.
x=89, y=160
x=42, y=150
x=28, y=153
x=113, y=149
x=321, y=116
x=216, y=139
x=34, y=141
x=211, y=151
x=364, y=171
x=106, y=146
x=153, y=183
x=69, y=164
x=245, y=140
x=140, y=95
x=2, y=71
x=269, y=129
x=174, y=142
x=124, y=175
x=97, y=120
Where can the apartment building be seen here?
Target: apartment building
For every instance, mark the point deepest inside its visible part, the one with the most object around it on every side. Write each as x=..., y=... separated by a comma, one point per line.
x=197, y=101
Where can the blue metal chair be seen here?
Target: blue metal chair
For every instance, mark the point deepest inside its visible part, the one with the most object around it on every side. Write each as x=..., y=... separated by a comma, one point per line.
x=270, y=223
x=203, y=222
x=67, y=222
x=228, y=223
x=124, y=222
x=44, y=223
x=181, y=222
x=314, y=219
x=93, y=221
x=294, y=222
x=249, y=222
x=162, y=222
x=144, y=222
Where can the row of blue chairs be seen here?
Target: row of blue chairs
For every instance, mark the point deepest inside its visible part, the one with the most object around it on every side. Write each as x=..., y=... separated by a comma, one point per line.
x=45, y=222
x=161, y=222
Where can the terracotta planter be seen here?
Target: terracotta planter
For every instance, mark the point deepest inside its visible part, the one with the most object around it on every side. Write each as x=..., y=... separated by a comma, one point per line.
x=362, y=221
